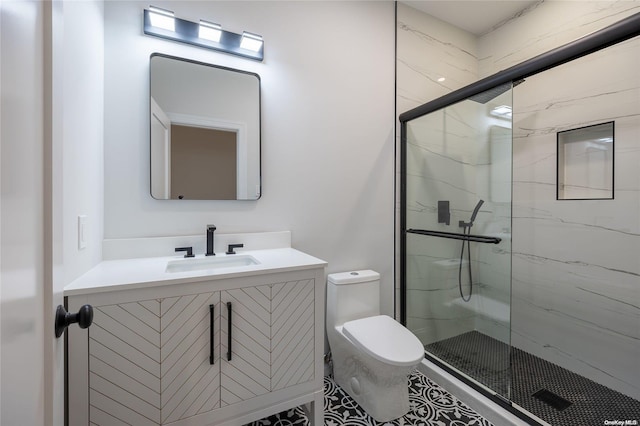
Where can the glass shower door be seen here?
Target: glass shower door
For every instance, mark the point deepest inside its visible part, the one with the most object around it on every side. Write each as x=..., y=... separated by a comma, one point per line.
x=457, y=259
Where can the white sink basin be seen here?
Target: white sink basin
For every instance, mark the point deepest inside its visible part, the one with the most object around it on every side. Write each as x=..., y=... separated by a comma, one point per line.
x=209, y=263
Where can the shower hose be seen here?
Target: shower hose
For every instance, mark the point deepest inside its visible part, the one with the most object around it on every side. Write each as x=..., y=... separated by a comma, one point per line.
x=466, y=299
x=466, y=230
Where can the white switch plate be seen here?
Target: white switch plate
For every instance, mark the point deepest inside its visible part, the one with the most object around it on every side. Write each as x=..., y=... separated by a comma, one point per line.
x=82, y=232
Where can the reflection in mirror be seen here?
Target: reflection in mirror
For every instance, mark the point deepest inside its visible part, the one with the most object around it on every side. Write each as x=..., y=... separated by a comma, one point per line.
x=204, y=131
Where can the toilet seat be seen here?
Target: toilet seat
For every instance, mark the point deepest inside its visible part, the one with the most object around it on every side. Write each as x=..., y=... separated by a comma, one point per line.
x=385, y=339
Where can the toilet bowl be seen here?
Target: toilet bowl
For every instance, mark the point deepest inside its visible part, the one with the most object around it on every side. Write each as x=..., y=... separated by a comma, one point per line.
x=373, y=354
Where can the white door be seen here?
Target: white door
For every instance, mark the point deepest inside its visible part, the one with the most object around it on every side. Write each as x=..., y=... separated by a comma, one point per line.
x=23, y=396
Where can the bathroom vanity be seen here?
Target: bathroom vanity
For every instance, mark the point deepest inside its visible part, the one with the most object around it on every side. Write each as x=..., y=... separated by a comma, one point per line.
x=223, y=341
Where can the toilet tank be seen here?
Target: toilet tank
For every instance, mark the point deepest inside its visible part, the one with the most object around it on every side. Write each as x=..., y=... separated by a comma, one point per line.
x=352, y=295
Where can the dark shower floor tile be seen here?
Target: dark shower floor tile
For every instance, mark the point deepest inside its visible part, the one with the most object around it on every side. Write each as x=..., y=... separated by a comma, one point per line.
x=481, y=357
x=486, y=358
x=430, y=405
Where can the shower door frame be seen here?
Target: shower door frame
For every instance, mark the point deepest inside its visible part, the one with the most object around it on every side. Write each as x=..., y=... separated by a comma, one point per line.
x=622, y=30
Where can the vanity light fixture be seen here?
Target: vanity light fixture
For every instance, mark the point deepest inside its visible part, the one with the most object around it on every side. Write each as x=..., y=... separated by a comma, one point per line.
x=162, y=23
x=210, y=31
x=162, y=18
x=251, y=41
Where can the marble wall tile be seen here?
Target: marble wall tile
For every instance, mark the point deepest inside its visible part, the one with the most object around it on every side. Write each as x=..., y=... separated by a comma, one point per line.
x=430, y=330
x=453, y=155
x=545, y=26
x=576, y=263
x=420, y=39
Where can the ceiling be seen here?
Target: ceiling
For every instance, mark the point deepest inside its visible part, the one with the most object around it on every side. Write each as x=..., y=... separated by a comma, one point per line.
x=475, y=16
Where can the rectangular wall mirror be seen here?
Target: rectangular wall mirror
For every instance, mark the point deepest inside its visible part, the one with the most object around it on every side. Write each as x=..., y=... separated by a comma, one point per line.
x=204, y=131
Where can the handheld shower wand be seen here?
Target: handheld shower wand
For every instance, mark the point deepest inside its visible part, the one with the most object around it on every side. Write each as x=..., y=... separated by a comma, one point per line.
x=467, y=226
x=476, y=209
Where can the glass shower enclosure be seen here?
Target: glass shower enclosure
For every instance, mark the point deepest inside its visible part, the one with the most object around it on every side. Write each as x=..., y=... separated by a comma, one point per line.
x=520, y=231
x=458, y=235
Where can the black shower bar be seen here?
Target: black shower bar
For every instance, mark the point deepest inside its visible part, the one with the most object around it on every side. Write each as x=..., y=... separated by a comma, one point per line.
x=613, y=34
x=456, y=236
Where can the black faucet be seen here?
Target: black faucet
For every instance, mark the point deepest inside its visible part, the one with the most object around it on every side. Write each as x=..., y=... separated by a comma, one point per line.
x=210, y=230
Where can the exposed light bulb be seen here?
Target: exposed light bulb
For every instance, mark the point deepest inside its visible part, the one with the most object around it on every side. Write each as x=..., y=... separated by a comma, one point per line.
x=162, y=18
x=251, y=41
x=210, y=31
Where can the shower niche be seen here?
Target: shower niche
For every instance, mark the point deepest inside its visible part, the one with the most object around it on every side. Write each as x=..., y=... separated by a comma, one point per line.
x=585, y=163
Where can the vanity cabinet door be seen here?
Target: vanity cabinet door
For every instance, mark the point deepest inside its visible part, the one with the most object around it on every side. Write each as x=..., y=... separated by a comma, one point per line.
x=124, y=364
x=190, y=383
x=247, y=343
x=150, y=361
x=292, y=333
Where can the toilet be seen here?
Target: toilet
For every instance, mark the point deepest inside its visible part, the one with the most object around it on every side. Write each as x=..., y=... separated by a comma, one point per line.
x=373, y=354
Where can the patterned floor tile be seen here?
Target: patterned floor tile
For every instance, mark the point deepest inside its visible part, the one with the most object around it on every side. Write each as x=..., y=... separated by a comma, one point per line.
x=430, y=404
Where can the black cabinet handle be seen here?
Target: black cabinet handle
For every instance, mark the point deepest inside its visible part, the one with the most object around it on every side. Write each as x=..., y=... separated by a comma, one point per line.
x=84, y=318
x=211, y=334
x=229, y=332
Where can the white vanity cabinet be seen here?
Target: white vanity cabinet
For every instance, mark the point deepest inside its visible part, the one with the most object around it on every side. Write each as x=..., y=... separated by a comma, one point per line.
x=225, y=351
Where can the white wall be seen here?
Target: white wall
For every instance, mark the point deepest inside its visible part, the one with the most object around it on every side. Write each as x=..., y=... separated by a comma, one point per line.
x=82, y=134
x=327, y=128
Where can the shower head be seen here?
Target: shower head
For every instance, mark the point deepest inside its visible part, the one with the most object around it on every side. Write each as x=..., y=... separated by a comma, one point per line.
x=494, y=92
x=490, y=94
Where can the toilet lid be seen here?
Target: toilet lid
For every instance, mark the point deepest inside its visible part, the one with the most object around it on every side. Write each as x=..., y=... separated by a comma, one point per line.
x=385, y=339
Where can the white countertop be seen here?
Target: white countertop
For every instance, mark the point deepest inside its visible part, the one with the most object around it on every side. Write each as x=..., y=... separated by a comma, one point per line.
x=123, y=274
